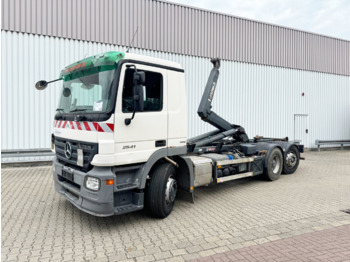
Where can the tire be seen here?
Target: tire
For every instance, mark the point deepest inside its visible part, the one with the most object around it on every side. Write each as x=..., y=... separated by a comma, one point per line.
x=291, y=161
x=161, y=191
x=274, y=165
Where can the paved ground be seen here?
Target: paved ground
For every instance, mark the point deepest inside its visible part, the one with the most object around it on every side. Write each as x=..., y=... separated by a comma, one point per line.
x=39, y=225
x=326, y=245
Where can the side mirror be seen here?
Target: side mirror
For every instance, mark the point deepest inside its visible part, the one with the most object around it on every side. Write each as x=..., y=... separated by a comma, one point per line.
x=41, y=85
x=139, y=77
x=138, y=97
x=139, y=80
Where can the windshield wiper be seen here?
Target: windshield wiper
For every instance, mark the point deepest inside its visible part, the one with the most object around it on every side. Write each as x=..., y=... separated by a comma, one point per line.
x=59, y=109
x=78, y=109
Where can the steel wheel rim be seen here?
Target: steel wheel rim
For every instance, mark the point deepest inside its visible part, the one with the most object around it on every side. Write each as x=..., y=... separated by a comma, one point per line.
x=170, y=191
x=276, y=163
x=291, y=159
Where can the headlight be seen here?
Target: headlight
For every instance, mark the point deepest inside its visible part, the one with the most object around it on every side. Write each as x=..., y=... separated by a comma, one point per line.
x=92, y=183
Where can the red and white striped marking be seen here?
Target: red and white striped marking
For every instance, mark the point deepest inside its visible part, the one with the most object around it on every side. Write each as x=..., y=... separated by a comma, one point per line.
x=86, y=126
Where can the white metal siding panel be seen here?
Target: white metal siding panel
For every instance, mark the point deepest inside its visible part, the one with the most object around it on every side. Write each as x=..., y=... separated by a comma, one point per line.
x=179, y=29
x=263, y=99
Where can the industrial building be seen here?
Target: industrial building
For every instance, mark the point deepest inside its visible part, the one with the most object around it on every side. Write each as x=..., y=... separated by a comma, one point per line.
x=281, y=81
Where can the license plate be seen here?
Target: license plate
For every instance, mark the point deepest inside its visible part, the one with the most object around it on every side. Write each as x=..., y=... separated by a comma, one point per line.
x=67, y=175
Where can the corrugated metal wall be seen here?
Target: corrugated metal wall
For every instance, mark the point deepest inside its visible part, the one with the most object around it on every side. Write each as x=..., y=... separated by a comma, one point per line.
x=263, y=99
x=175, y=28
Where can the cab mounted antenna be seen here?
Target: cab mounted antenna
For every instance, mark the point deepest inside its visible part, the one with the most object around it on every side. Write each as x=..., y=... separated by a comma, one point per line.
x=132, y=40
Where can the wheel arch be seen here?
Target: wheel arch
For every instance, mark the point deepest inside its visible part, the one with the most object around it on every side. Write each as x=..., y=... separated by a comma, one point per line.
x=269, y=147
x=177, y=154
x=285, y=146
x=269, y=152
x=185, y=177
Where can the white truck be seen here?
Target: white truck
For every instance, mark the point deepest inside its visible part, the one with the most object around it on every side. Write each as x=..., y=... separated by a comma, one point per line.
x=120, y=138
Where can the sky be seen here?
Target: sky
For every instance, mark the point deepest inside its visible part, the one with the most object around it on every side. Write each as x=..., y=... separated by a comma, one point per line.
x=326, y=17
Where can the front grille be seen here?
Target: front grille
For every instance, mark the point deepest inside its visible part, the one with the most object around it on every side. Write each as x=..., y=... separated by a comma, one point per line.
x=89, y=151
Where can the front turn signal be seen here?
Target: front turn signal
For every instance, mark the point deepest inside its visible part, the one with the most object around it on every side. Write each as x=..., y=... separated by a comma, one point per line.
x=109, y=182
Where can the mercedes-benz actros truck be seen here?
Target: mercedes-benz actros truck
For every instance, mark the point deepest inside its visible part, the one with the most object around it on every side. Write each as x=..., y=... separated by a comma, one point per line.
x=120, y=138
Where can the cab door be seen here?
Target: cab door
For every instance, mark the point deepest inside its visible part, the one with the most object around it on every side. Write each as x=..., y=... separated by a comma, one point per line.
x=147, y=132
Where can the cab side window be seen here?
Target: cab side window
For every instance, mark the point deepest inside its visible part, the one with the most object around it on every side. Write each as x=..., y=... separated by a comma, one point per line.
x=153, y=92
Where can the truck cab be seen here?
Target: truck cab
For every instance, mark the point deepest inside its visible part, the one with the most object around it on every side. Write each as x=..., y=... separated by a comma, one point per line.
x=94, y=134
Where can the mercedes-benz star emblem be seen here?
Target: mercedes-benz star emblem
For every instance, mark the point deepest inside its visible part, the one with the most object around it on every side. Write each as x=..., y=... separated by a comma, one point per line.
x=68, y=150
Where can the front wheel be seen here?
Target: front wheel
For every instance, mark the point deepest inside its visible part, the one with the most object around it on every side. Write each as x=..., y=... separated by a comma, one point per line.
x=161, y=190
x=291, y=161
x=274, y=165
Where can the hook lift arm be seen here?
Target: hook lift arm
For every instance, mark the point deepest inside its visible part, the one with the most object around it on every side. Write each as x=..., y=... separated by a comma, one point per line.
x=204, y=109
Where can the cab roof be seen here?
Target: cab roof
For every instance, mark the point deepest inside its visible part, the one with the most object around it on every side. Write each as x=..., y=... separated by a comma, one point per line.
x=110, y=59
x=153, y=60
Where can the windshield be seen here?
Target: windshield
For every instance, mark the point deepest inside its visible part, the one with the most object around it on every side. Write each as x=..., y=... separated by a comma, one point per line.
x=87, y=94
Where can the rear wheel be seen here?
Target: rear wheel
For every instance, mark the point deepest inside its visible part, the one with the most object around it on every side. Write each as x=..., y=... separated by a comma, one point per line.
x=274, y=165
x=161, y=190
x=291, y=161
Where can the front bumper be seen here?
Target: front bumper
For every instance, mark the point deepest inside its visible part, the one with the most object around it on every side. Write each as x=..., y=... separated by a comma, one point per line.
x=97, y=203
x=107, y=201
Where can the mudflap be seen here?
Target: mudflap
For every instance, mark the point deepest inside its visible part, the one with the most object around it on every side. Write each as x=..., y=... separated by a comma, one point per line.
x=185, y=195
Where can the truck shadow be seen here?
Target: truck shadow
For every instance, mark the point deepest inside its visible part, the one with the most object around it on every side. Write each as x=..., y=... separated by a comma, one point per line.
x=141, y=218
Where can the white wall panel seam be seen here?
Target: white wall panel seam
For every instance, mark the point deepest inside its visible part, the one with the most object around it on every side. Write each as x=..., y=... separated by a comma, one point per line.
x=263, y=99
x=97, y=17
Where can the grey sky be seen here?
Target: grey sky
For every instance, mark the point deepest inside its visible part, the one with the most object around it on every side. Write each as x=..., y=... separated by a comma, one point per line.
x=327, y=17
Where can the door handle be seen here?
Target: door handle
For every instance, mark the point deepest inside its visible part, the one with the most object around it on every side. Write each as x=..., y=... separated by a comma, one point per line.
x=160, y=143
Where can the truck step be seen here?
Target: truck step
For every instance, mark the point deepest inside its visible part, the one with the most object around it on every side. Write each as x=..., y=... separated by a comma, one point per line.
x=126, y=209
x=233, y=177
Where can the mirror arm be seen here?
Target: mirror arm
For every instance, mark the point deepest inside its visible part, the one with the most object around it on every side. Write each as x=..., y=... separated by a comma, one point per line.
x=55, y=80
x=42, y=84
x=127, y=121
